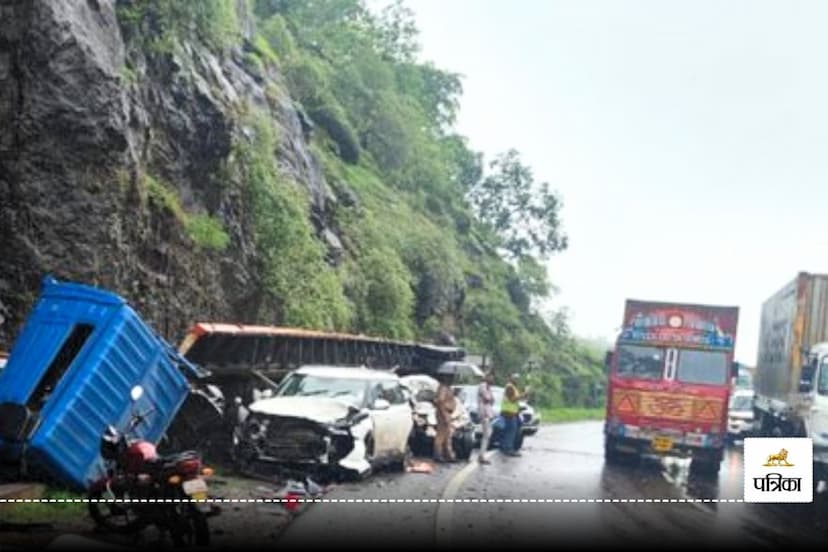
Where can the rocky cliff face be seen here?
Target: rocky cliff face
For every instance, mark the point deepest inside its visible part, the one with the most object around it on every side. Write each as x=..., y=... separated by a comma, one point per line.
x=85, y=118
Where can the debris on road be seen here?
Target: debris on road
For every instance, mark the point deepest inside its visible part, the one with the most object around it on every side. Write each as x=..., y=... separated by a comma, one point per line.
x=420, y=466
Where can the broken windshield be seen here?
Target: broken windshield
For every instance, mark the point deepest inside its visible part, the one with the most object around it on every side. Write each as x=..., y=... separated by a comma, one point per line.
x=348, y=390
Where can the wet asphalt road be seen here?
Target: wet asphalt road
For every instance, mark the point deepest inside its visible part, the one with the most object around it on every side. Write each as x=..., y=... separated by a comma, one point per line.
x=561, y=462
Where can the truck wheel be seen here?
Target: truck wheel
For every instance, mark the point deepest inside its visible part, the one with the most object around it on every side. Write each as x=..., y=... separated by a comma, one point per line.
x=611, y=456
x=764, y=426
x=614, y=456
x=708, y=465
x=704, y=467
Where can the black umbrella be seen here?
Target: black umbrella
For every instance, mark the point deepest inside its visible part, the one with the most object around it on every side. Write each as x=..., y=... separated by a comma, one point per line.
x=459, y=368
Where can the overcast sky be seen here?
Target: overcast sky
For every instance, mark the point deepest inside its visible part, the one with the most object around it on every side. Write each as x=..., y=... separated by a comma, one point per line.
x=688, y=140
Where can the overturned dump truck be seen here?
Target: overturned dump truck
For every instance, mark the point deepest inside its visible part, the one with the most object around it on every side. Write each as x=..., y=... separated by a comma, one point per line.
x=244, y=358
x=69, y=375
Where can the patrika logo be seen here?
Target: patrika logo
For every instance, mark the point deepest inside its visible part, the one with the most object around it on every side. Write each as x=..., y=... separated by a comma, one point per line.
x=780, y=459
x=784, y=476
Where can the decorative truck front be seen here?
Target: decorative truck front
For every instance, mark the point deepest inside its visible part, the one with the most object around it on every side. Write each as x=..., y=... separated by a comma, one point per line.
x=669, y=382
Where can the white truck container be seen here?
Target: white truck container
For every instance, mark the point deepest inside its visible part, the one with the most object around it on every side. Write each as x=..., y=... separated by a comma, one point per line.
x=791, y=381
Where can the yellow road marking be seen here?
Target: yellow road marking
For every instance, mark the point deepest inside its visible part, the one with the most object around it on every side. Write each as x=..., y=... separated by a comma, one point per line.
x=445, y=508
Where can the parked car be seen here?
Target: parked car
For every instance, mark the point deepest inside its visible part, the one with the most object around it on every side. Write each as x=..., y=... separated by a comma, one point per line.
x=740, y=422
x=327, y=418
x=529, y=417
x=422, y=390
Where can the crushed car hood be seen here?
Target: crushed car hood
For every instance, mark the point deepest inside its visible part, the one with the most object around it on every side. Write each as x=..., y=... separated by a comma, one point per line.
x=322, y=410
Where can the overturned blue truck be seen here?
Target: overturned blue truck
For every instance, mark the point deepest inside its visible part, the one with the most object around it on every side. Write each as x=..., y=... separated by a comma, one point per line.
x=70, y=373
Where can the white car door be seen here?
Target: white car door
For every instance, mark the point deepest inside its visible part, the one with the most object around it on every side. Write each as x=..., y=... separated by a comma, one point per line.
x=392, y=424
x=401, y=420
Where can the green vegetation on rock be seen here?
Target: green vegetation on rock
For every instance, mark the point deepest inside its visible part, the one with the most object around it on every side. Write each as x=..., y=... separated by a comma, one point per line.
x=295, y=274
x=205, y=231
x=215, y=22
x=434, y=240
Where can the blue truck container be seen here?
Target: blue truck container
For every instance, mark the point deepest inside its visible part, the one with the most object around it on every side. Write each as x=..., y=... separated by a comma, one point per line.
x=70, y=373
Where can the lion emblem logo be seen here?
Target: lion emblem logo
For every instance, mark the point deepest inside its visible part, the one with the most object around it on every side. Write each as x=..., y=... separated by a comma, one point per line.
x=779, y=459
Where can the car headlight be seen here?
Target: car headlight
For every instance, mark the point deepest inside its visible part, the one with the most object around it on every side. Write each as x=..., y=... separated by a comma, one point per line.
x=256, y=428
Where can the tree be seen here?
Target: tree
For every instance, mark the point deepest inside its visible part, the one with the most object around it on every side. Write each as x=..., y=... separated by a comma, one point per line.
x=397, y=33
x=522, y=214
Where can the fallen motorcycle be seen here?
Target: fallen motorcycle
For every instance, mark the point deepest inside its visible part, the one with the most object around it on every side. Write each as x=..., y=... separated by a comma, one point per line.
x=143, y=488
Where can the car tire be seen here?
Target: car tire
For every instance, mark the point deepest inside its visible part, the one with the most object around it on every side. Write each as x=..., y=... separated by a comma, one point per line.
x=421, y=445
x=464, y=445
x=401, y=462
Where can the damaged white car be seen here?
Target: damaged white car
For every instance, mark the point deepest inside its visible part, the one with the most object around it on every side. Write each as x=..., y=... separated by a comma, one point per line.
x=328, y=418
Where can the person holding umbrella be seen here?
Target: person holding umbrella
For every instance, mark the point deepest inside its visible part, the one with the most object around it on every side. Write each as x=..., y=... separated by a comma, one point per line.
x=445, y=404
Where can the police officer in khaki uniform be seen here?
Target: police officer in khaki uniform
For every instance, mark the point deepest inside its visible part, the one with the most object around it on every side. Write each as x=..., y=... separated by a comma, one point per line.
x=445, y=404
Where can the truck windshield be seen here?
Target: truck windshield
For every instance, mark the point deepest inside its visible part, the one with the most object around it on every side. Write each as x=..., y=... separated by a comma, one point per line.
x=638, y=362
x=707, y=367
x=741, y=402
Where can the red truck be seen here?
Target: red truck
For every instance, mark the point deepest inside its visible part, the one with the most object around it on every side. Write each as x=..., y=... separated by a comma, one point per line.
x=669, y=383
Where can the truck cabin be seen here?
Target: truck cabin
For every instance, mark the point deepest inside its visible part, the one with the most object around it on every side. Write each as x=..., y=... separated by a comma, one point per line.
x=814, y=367
x=69, y=376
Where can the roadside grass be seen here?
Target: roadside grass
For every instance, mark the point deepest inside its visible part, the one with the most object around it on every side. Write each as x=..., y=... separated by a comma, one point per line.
x=45, y=512
x=558, y=415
